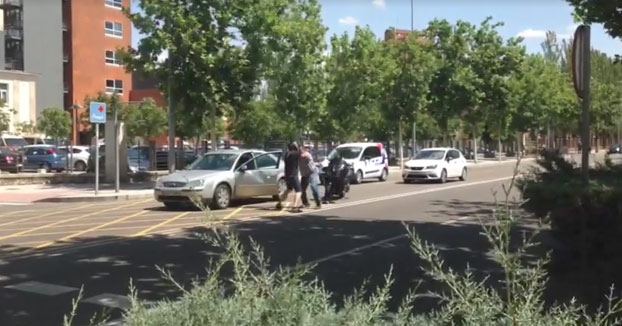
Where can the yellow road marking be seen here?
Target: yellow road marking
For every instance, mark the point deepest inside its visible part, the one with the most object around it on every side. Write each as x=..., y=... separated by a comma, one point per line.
x=66, y=220
x=237, y=210
x=90, y=229
x=160, y=224
x=17, y=212
x=45, y=215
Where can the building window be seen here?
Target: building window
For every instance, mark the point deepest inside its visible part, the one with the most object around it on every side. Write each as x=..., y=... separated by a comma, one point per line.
x=114, y=86
x=111, y=58
x=114, y=29
x=4, y=93
x=114, y=3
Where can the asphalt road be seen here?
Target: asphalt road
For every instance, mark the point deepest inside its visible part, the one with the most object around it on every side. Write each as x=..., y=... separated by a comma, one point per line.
x=48, y=251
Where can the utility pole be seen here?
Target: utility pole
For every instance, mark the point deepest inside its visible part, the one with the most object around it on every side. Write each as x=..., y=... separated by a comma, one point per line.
x=412, y=30
x=171, y=117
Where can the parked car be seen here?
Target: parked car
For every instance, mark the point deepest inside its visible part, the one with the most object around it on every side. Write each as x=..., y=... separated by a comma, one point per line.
x=79, y=157
x=138, y=159
x=12, y=142
x=369, y=160
x=9, y=160
x=436, y=164
x=221, y=176
x=42, y=140
x=43, y=157
x=615, y=149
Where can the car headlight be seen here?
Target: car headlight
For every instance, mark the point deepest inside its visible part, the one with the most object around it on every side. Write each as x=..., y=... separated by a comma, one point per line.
x=196, y=183
x=431, y=167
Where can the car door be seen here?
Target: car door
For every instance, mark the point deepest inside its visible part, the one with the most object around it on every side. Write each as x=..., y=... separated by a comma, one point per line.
x=455, y=166
x=372, y=159
x=32, y=158
x=269, y=170
x=247, y=180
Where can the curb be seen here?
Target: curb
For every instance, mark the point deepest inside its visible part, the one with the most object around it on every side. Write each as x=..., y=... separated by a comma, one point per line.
x=89, y=199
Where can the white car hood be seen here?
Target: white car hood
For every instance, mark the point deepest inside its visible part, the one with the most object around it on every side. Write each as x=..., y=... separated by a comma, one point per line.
x=422, y=163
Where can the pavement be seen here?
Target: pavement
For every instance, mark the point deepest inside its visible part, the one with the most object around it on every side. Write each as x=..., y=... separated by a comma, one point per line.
x=48, y=251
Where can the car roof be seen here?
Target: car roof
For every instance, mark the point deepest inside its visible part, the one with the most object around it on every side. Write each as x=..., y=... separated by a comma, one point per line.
x=438, y=149
x=358, y=144
x=40, y=145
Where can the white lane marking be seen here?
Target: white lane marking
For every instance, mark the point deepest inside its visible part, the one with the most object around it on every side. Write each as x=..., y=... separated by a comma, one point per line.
x=110, y=300
x=15, y=204
x=374, y=244
x=41, y=288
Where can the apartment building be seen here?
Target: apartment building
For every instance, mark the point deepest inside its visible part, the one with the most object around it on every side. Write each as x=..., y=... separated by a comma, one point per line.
x=31, y=51
x=94, y=31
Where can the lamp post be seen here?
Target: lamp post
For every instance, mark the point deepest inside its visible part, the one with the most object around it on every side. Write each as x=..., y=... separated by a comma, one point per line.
x=74, y=121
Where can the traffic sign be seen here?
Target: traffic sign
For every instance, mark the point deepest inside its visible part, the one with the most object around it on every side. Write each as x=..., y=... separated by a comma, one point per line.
x=97, y=112
x=579, y=62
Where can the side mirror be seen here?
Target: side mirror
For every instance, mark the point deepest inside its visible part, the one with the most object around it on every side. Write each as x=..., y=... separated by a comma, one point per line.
x=243, y=168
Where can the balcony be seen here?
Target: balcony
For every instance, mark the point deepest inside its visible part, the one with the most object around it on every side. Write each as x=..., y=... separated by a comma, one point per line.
x=10, y=3
x=65, y=58
x=65, y=28
x=66, y=89
x=14, y=64
x=13, y=34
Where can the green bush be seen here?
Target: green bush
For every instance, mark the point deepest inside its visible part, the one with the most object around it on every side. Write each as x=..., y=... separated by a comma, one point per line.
x=255, y=294
x=555, y=190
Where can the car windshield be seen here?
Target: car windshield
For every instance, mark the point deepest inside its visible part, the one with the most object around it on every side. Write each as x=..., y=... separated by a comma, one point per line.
x=348, y=153
x=430, y=155
x=138, y=154
x=15, y=142
x=217, y=162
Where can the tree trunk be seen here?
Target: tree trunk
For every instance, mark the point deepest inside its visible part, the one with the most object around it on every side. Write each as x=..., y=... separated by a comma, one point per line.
x=475, y=146
x=400, y=144
x=548, y=135
x=213, y=136
x=499, y=144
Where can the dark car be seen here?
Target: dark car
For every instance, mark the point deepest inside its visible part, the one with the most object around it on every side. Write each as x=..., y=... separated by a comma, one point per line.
x=615, y=149
x=9, y=160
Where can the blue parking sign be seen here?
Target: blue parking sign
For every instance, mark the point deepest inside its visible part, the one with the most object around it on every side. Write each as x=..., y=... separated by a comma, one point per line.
x=97, y=112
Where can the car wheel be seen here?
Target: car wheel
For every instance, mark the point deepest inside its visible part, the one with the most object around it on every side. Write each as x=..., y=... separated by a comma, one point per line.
x=359, y=177
x=384, y=175
x=443, y=177
x=172, y=206
x=282, y=187
x=47, y=167
x=463, y=176
x=222, y=197
x=79, y=166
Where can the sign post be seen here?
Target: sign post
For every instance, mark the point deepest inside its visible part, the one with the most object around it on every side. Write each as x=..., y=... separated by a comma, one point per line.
x=97, y=116
x=581, y=71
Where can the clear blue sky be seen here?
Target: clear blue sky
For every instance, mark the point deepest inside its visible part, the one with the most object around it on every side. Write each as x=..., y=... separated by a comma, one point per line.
x=529, y=18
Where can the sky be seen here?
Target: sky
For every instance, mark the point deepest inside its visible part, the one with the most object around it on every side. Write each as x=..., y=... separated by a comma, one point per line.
x=527, y=18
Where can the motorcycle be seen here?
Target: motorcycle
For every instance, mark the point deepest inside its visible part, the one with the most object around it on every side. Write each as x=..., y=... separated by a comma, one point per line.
x=336, y=179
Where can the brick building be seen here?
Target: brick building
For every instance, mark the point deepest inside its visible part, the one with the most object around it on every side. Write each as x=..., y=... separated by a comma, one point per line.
x=94, y=31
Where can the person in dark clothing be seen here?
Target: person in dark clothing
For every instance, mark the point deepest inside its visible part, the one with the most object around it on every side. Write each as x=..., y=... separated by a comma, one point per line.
x=292, y=156
x=334, y=161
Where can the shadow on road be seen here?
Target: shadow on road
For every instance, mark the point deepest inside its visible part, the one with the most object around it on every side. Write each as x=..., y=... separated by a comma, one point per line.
x=109, y=267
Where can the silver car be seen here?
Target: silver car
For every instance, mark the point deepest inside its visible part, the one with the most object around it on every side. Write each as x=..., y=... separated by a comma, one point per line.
x=218, y=177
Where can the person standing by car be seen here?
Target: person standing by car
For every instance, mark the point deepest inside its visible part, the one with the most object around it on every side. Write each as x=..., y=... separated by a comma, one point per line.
x=291, y=177
x=309, y=176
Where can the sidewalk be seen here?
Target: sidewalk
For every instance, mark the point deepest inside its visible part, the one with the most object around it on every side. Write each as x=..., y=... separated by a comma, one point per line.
x=26, y=194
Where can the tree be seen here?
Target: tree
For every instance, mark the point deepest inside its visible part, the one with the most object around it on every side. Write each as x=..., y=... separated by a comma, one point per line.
x=296, y=78
x=258, y=123
x=216, y=50
x=27, y=127
x=145, y=120
x=606, y=12
x=406, y=83
x=55, y=123
x=355, y=71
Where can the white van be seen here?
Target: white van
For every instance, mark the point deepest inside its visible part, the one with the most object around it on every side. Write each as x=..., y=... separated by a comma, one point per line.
x=13, y=142
x=368, y=160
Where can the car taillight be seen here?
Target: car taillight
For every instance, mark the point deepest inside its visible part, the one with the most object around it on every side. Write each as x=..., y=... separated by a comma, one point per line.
x=9, y=159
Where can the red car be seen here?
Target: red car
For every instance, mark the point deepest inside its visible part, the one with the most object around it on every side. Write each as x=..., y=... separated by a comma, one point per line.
x=9, y=160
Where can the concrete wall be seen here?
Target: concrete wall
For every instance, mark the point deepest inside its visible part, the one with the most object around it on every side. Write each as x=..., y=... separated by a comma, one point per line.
x=43, y=50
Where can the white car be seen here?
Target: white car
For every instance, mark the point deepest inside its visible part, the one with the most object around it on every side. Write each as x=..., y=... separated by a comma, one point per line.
x=368, y=160
x=79, y=158
x=437, y=164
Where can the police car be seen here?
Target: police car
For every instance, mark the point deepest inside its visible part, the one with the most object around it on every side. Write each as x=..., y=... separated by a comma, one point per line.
x=368, y=160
